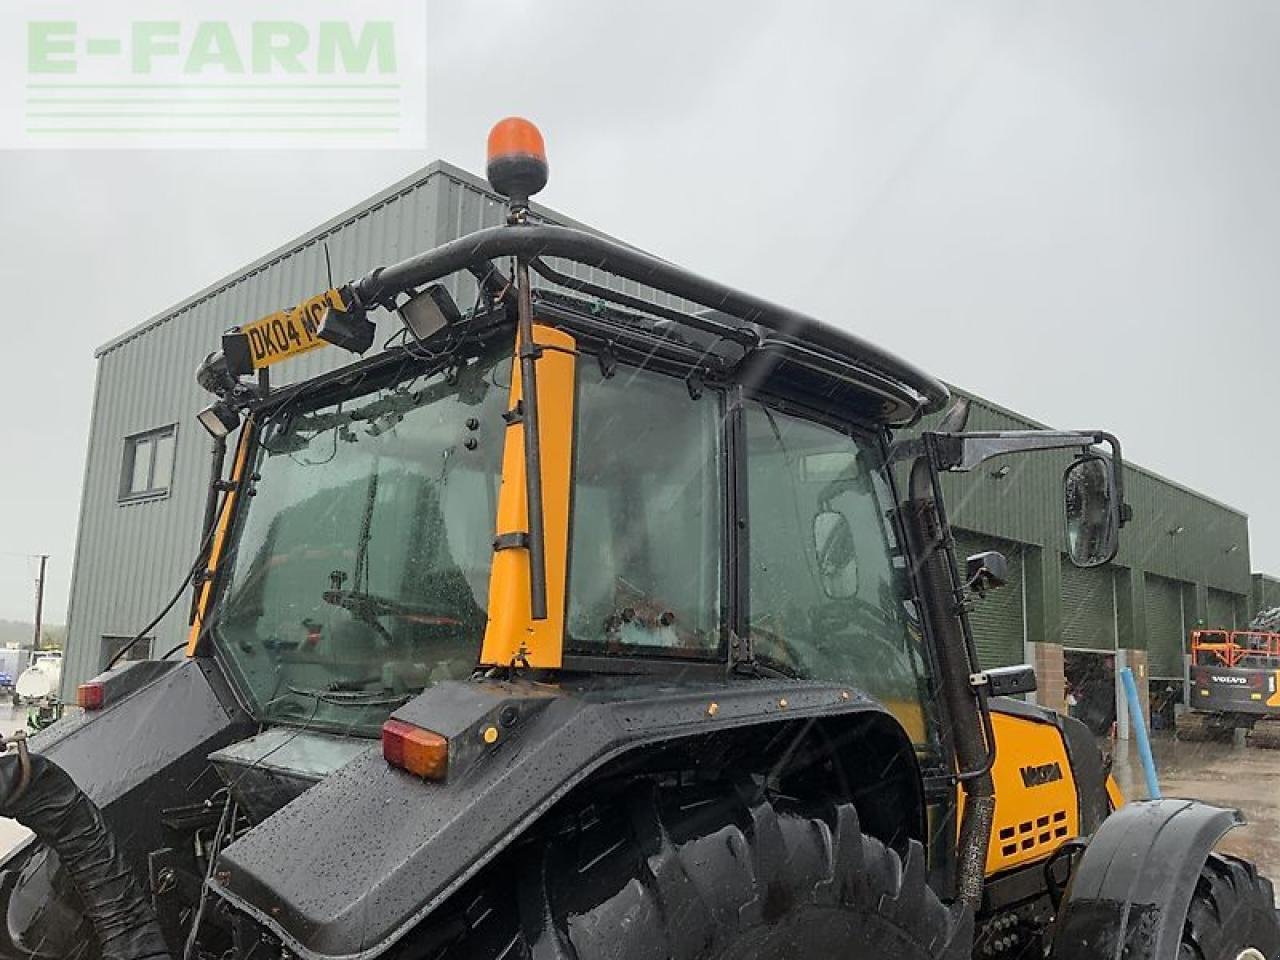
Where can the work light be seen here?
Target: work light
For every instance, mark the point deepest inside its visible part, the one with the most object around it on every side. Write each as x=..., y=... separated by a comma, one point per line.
x=219, y=419
x=430, y=311
x=351, y=331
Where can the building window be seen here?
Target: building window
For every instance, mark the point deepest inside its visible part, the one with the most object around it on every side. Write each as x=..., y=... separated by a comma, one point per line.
x=148, y=463
x=111, y=645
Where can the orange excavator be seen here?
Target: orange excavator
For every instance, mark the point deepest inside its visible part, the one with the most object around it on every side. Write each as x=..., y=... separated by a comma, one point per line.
x=1235, y=684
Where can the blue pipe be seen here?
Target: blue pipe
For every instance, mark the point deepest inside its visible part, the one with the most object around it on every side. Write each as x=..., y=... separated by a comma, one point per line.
x=1139, y=724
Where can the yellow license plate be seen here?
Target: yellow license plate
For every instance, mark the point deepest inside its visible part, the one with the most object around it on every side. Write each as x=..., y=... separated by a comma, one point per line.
x=287, y=333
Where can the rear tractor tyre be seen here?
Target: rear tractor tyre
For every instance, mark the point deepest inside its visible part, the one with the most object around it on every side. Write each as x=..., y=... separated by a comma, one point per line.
x=1232, y=914
x=719, y=878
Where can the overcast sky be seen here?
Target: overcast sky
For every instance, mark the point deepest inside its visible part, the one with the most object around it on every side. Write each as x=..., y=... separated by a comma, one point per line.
x=1070, y=208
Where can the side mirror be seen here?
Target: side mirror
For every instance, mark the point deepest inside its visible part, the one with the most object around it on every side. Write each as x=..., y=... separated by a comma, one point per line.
x=837, y=558
x=1092, y=511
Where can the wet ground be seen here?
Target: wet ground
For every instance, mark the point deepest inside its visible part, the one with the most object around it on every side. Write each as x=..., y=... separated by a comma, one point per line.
x=1221, y=773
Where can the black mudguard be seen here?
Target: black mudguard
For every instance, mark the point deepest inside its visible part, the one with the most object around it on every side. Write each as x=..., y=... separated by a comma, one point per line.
x=353, y=864
x=148, y=750
x=1130, y=889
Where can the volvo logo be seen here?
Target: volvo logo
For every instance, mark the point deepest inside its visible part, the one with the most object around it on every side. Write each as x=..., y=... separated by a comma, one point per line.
x=1038, y=776
x=1239, y=681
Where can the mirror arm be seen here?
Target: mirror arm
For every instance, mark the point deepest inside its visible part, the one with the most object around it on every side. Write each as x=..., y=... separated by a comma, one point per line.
x=962, y=452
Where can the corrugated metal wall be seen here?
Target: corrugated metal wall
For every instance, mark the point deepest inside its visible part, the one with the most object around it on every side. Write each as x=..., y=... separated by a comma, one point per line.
x=1088, y=607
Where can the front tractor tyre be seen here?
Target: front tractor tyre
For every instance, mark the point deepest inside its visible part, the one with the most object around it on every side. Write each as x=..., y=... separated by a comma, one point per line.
x=1232, y=914
x=721, y=877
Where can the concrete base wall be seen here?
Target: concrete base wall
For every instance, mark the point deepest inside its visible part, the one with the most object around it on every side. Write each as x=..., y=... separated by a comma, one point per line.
x=1135, y=660
x=1051, y=679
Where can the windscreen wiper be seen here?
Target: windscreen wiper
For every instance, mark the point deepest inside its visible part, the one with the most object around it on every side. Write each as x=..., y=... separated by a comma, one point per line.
x=352, y=698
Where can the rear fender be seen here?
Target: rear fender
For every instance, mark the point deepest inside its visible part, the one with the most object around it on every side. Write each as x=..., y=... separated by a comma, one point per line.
x=351, y=866
x=1130, y=890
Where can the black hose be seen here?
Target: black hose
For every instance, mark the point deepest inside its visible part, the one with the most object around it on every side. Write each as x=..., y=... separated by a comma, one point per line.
x=48, y=802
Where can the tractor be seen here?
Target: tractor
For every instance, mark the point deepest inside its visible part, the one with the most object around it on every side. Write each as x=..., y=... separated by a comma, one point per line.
x=615, y=616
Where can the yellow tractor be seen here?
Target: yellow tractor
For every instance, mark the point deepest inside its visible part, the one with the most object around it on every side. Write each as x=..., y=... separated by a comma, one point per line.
x=596, y=625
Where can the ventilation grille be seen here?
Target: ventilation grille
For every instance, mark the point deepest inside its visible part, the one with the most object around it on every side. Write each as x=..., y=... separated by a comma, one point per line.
x=1031, y=834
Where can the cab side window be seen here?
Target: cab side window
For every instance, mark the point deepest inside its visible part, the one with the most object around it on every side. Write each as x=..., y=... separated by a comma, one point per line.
x=827, y=583
x=645, y=552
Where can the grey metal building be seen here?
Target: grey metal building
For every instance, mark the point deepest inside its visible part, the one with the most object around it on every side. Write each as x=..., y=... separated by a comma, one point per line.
x=1185, y=560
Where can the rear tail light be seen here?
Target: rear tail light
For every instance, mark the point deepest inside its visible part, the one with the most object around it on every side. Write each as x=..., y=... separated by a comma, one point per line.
x=411, y=748
x=91, y=696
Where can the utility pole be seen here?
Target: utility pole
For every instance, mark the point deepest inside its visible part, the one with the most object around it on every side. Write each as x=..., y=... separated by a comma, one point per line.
x=44, y=558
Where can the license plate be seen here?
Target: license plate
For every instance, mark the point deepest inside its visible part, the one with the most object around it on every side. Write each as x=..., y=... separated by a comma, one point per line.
x=287, y=333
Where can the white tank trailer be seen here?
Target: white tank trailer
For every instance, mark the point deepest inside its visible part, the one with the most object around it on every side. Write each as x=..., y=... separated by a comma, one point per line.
x=38, y=684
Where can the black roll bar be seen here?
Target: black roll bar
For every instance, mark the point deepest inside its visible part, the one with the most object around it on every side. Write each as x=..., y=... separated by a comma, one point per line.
x=381, y=286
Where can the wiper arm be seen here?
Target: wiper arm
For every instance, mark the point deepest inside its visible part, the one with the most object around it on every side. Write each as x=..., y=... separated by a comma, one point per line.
x=763, y=665
x=352, y=698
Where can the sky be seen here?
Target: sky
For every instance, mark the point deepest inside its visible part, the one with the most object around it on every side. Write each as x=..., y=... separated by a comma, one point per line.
x=1069, y=208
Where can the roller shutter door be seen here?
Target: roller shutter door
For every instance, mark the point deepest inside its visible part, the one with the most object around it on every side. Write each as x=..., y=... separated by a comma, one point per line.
x=1088, y=607
x=996, y=619
x=1165, y=634
x=1222, y=610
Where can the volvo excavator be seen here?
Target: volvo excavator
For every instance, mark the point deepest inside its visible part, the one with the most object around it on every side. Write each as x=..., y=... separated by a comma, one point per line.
x=1235, y=684
x=614, y=616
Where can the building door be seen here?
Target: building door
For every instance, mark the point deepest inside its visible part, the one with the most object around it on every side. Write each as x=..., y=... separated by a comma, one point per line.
x=1088, y=607
x=1166, y=638
x=1091, y=688
x=997, y=618
x=1222, y=610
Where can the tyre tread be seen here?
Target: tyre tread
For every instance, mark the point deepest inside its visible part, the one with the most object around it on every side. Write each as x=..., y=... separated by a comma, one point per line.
x=1233, y=907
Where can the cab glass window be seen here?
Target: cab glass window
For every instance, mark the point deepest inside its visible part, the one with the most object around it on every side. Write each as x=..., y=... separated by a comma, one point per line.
x=828, y=582
x=645, y=556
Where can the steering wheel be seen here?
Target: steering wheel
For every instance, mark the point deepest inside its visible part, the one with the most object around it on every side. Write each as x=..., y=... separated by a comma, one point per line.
x=837, y=614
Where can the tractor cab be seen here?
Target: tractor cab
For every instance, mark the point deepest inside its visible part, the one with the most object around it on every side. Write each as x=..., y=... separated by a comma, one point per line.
x=613, y=615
